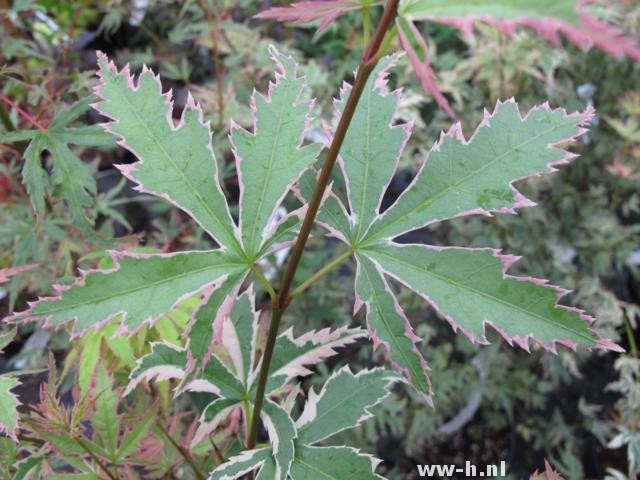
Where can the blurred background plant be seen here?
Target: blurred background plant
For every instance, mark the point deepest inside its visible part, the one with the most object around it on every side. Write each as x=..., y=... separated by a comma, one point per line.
x=579, y=410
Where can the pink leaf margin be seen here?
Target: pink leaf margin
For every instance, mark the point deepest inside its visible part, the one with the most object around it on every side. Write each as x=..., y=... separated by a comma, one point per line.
x=281, y=74
x=7, y=273
x=128, y=170
x=523, y=342
x=590, y=33
x=26, y=316
x=408, y=331
x=583, y=119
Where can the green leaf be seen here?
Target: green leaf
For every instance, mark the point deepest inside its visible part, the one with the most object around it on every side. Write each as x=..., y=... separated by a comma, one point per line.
x=175, y=162
x=131, y=441
x=105, y=418
x=8, y=407
x=389, y=326
x=494, y=9
x=370, y=152
x=71, y=177
x=164, y=362
x=335, y=463
x=271, y=159
x=34, y=176
x=142, y=287
x=343, y=403
x=282, y=433
x=469, y=289
x=475, y=177
x=89, y=356
x=241, y=464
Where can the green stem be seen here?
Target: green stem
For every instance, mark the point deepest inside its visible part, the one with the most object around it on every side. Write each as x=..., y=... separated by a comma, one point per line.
x=367, y=64
x=265, y=283
x=100, y=464
x=366, y=26
x=319, y=274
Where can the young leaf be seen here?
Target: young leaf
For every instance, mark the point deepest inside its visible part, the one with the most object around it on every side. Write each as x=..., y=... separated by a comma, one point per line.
x=272, y=158
x=207, y=322
x=8, y=407
x=141, y=287
x=105, y=417
x=547, y=17
x=7, y=337
x=239, y=335
x=175, y=162
x=282, y=433
x=334, y=463
x=343, y=403
x=305, y=12
x=217, y=411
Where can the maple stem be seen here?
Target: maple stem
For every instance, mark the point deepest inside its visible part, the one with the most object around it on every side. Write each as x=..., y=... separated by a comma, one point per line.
x=185, y=454
x=367, y=64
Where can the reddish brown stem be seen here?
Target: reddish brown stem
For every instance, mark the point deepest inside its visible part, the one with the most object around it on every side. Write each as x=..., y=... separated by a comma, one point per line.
x=367, y=64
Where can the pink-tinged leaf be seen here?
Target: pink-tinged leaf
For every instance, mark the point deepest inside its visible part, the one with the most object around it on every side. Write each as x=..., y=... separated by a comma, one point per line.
x=8, y=407
x=549, y=18
x=471, y=290
x=7, y=273
x=548, y=474
x=305, y=12
x=418, y=53
x=239, y=335
x=293, y=356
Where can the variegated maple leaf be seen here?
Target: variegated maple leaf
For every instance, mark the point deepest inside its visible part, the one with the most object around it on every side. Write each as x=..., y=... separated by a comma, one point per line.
x=8, y=406
x=343, y=403
x=177, y=163
x=549, y=18
x=232, y=369
x=470, y=288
